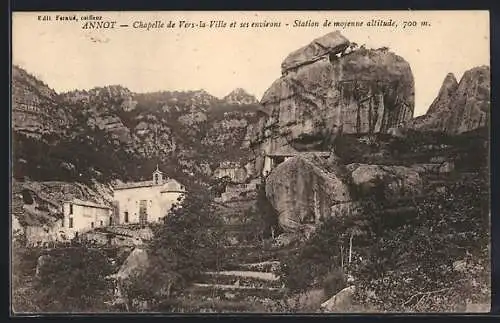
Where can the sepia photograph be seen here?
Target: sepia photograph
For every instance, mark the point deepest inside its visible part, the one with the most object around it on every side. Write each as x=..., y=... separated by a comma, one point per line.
x=250, y=162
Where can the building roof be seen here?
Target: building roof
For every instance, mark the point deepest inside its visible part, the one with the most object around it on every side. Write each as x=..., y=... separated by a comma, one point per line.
x=123, y=186
x=291, y=154
x=168, y=183
x=88, y=203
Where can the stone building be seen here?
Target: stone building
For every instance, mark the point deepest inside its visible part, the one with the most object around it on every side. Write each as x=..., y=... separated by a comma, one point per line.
x=81, y=216
x=146, y=201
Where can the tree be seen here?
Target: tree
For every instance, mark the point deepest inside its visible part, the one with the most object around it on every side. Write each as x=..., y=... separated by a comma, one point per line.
x=191, y=240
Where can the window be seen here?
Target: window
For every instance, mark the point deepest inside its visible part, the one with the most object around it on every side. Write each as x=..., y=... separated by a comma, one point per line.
x=91, y=224
x=71, y=209
x=110, y=220
x=156, y=178
x=101, y=223
x=126, y=217
x=70, y=223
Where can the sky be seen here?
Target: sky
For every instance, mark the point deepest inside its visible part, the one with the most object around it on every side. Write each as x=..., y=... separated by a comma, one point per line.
x=66, y=57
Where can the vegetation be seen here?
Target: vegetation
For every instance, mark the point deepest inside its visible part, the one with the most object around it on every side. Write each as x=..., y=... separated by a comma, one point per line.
x=68, y=280
x=398, y=258
x=189, y=242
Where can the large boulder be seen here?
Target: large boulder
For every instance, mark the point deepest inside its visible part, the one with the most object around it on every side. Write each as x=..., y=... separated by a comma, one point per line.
x=390, y=182
x=303, y=188
x=332, y=43
x=340, y=302
x=365, y=91
x=135, y=264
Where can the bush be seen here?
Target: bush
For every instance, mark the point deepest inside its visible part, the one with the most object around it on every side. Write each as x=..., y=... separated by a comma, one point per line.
x=72, y=280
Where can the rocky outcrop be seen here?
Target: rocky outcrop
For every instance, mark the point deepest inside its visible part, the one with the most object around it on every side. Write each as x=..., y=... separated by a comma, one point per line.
x=240, y=97
x=471, y=106
x=445, y=96
x=303, y=189
x=365, y=91
x=331, y=43
x=103, y=107
x=236, y=172
x=35, y=109
x=460, y=107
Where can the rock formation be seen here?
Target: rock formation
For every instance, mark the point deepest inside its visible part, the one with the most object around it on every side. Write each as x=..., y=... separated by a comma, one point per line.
x=393, y=181
x=303, y=189
x=459, y=107
x=35, y=109
x=240, y=97
x=365, y=91
x=331, y=43
x=445, y=96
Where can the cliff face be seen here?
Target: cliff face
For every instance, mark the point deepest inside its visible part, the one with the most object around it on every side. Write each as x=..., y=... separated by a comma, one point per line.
x=35, y=106
x=363, y=91
x=459, y=107
x=110, y=132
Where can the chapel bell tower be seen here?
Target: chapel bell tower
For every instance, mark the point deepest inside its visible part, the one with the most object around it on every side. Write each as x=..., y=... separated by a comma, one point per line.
x=157, y=176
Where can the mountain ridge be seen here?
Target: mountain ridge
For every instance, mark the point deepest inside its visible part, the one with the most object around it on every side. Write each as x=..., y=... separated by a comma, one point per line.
x=166, y=126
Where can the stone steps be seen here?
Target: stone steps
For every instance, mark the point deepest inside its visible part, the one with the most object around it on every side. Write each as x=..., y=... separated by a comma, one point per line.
x=252, y=279
x=263, y=266
x=209, y=305
x=236, y=255
x=232, y=292
x=267, y=276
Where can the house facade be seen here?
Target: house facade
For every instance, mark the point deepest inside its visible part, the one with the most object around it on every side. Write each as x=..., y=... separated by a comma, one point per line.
x=81, y=216
x=146, y=201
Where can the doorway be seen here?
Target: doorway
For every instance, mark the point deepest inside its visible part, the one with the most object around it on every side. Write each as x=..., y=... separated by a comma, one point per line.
x=143, y=212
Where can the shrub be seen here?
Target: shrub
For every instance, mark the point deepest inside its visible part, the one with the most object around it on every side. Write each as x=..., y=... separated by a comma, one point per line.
x=72, y=280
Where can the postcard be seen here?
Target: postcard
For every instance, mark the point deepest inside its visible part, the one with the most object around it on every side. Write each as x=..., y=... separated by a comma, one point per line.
x=265, y=162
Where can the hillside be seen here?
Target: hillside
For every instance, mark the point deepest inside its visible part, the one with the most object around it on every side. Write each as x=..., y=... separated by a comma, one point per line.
x=112, y=133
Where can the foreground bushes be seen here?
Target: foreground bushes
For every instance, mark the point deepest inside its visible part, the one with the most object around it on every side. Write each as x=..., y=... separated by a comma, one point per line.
x=70, y=280
x=398, y=259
